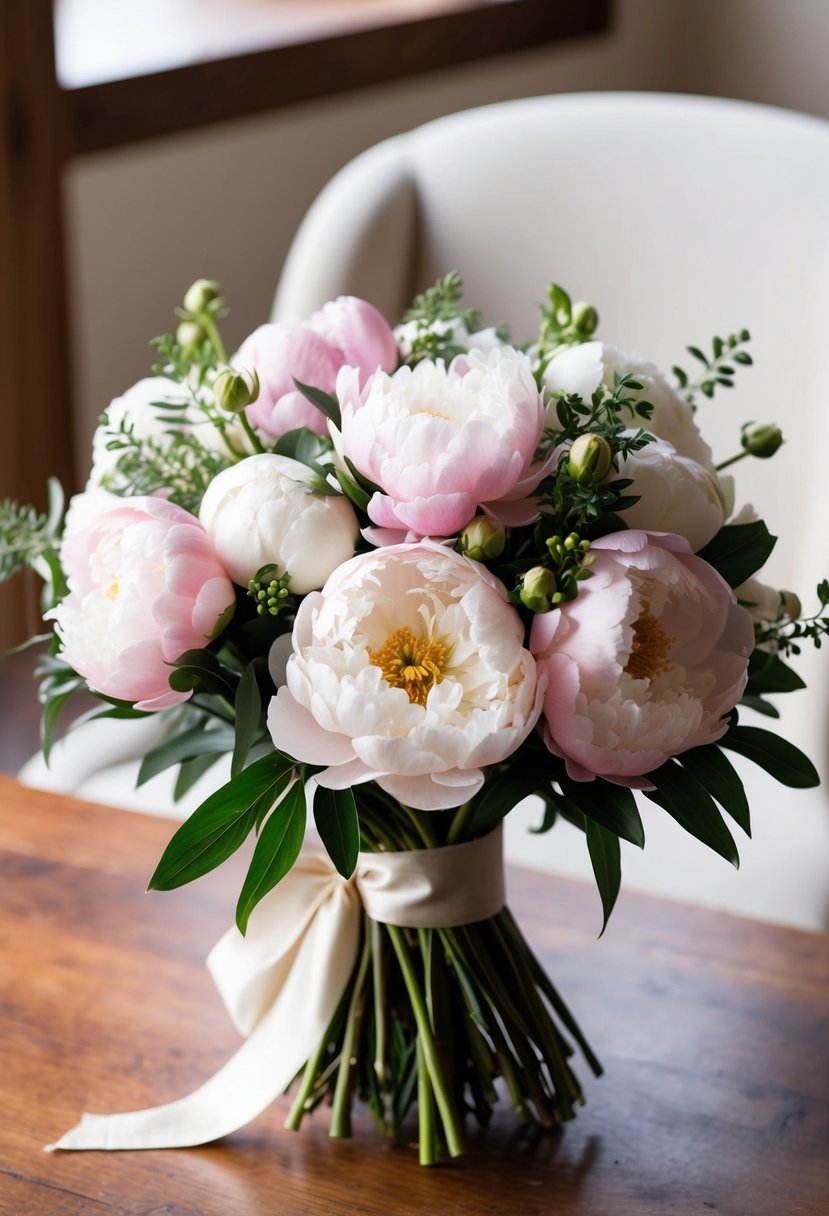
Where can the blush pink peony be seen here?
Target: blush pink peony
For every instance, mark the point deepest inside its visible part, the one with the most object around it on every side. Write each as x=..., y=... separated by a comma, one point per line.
x=409, y=669
x=441, y=441
x=644, y=663
x=345, y=332
x=145, y=585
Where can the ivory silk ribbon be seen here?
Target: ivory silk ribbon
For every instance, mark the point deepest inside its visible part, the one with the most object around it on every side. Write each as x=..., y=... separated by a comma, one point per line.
x=283, y=981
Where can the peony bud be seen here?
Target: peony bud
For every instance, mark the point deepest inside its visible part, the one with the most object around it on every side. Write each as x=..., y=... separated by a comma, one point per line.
x=585, y=318
x=762, y=441
x=190, y=336
x=483, y=538
x=590, y=459
x=202, y=293
x=235, y=390
x=791, y=605
x=538, y=587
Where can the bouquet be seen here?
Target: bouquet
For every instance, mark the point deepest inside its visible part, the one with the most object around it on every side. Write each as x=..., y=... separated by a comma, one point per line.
x=407, y=578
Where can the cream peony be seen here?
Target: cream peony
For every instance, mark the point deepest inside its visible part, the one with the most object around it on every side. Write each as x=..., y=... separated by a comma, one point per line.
x=262, y=511
x=644, y=663
x=133, y=411
x=676, y=494
x=409, y=669
x=581, y=369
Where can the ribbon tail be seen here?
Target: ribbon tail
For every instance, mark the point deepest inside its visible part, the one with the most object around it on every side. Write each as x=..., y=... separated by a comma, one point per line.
x=264, y=1065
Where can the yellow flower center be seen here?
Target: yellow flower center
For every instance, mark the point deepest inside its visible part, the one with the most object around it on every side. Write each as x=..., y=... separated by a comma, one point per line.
x=411, y=663
x=651, y=647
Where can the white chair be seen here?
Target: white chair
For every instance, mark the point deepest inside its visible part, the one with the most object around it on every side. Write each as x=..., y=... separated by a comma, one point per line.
x=679, y=217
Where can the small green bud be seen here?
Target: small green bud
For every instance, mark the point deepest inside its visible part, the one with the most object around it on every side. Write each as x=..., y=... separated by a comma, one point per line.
x=202, y=293
x=235, y=390
x=190, y=336
x=483, y=538
x=538, y=587
x=791, y=605
x=762, y=441
x=590, y=460
x=585, y=318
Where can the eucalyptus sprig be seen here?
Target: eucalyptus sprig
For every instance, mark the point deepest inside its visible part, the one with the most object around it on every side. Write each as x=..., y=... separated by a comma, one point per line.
x=717, y=370
x=181, y=465
x=784, y=634
x=27, y=537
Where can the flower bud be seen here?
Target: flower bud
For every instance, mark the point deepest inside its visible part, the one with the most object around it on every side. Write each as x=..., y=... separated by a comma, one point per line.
x=483, y=538
x=762, y=441
x=202, y=293
x=590, y=459
x=235, y=390
x=538, y=587
x=791, y=605
x=190, y=336
x=585, y=318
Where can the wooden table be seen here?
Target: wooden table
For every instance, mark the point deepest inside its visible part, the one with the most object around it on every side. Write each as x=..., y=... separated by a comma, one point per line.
x=712, y=1029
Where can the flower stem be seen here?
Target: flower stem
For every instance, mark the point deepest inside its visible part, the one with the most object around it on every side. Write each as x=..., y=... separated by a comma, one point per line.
x=250, y=432
x=427, y=1138
x=341, y=1108
x=443, y=1098
x=459, y=822
x=731, y=460
x=210, y=328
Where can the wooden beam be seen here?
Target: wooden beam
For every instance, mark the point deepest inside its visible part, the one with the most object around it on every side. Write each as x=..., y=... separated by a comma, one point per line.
x=35, y=407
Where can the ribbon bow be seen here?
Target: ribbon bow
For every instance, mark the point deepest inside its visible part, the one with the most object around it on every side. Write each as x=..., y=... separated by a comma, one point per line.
x=283, y=981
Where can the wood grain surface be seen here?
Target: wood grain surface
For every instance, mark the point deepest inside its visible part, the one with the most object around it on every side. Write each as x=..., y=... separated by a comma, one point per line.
x=714, y=1033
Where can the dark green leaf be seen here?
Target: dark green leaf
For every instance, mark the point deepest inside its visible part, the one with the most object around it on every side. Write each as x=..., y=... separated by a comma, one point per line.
x=327, y=403
x=276, y=851
x=697, y=353
x=248, y=706
x=51, y=713
x=716, y=772
x=200, y=670
x=606, y=859
x=690, y=804
x=755, y=702
x=352, y=491
x=785, y=762
x=738, y=550
x=335, y=814
x=611, y=806
x=768, y=673
x=305, y=446
x=197, y=741
x=220, y=824
x=501, y=794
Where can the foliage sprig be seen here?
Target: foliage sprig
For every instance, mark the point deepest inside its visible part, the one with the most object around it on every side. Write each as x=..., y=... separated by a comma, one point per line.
x=718, y=370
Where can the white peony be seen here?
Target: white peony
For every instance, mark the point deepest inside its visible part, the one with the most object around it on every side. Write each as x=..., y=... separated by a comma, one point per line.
x=581, y=369
x=676, y=494
x=133, y=411
x=263, y=510
x=408, y=668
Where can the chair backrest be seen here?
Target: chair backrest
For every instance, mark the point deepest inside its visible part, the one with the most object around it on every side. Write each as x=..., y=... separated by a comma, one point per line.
x=679, y=218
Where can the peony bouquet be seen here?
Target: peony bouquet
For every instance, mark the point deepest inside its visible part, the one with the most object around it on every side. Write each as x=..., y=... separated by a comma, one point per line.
x=407, y=578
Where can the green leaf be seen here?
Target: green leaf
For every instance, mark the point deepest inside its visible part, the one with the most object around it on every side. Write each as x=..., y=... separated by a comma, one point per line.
x=248, y=706
x=306, y=446
x=753, y=701
x=688, y=802
x=502, y=793
x=611, y=806
x=716, y=772
x=738, y=550
x=326, y=403
x=785, y=762
x=276, y=851
x=606, y=859
x=190, y=771
x=355, y=493
x=197, y=741
x=217, y=828
x=335, y=814
x=201, y=671
x=768, y=673
x=51, y=712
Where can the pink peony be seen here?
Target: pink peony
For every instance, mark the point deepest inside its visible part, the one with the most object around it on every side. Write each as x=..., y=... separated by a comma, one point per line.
x=442, y=441
x=645, y=662
x=145, y=585
x=345, y=332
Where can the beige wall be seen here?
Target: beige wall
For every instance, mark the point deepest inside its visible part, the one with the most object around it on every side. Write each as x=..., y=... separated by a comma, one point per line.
x=225, y=203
